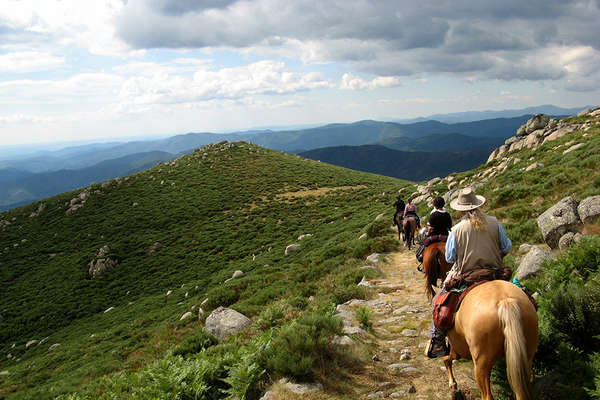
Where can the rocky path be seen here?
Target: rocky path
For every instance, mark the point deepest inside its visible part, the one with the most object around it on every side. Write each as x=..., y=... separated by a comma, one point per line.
x=401, y=315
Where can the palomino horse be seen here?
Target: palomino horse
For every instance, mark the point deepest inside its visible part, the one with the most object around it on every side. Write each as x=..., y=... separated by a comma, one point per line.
x=435, y=266
x=495, y=319
x=409, y=226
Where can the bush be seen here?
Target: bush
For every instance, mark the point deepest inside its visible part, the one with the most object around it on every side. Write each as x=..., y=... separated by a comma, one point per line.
x=378, y=228
x=363, y=315
x=301, y=346
x=195, y=343
x=384, y=244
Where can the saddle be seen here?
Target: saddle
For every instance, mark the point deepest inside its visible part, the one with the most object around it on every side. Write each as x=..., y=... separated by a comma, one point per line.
x=447, y=304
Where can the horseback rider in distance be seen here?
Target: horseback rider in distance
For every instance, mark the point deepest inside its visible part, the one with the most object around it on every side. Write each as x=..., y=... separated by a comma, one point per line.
x=439, y=225
x=477, y=242
x=399, y=204
x=411, y=211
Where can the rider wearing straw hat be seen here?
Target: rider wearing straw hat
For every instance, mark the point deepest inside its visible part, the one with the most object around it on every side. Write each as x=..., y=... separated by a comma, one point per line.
x=477, y=241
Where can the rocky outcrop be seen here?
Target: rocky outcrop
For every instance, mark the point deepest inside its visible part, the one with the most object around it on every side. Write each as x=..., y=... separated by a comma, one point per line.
x=531, y=264
x=101, y=263
x=558, y=220
x=541, y=129
x=236, y=274
x=77, y=202
x=589, y=209
x=225, y=321
x=568, y=239
x=38, y=211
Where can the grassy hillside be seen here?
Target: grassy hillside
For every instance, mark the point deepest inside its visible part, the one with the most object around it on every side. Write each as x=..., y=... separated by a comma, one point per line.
x=184, y=226
x=21, y=187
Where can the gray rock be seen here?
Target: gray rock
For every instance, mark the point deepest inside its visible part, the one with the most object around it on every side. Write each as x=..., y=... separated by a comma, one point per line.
x=568, y=239
x=30, y=343
x=531, y=264
x=524, y=248
x=364, y=282
x=292, y=248
x=559, y=219
x=100, y=266
x=376, y=395
x=434, y=181
x=224, y=321
x=538, y=121
x=534, y=166
x=301, y=388
x=38, y=211
x=584, y=112
x=574, y=147
x=363, y=236
x=186, y=315
x=354, y=330
x=268, y=396
x=377, y=218
x=108, y=309
x=4, y=373
x=589, y=209
x=55, y=345
x=398, y=394
x=237, y=274
x=409, y=333
x=306, y=235
x=342, y=341
x=374, y=258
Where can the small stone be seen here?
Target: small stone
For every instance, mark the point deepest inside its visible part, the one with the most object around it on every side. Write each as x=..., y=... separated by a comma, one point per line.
x=186, y=315
x=55, y=345
x=4, y=373
x=169, y=292
x=409, y=333
x=109, y=309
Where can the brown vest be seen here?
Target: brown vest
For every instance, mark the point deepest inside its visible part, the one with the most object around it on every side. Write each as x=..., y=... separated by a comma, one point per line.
x=477, y=249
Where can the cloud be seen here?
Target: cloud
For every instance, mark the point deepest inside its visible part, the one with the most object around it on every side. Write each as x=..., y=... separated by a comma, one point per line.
x=29, y=61
x=386, y=38
x=352, y=82
x=260, y=78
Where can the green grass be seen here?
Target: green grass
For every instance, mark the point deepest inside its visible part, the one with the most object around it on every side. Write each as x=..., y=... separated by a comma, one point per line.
x=232, y=209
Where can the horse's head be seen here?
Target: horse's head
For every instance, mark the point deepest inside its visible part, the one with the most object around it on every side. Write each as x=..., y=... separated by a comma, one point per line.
x=435, y=266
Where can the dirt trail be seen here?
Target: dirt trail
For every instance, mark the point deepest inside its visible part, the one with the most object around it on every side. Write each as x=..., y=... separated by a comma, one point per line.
x=400, y=324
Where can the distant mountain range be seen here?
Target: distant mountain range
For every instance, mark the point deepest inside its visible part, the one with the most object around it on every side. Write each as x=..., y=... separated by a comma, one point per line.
x=27, y=178
x=413, y=166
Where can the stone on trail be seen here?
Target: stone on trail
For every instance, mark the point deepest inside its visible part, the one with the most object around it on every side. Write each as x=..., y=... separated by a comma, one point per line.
x=224, y=321
x=374, y=258
x=409, y=333
x=301, y=388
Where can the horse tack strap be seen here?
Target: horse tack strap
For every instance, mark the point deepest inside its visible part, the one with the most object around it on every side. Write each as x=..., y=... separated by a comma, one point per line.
x=446, y=305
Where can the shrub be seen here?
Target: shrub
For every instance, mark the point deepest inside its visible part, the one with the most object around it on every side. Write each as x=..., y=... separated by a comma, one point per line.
x=379, y=228
x=384, y=244
x=301, y=346
x=363, y=315
x=195, y=343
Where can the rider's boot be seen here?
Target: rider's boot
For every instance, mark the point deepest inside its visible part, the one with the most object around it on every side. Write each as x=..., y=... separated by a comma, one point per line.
x=436, y=348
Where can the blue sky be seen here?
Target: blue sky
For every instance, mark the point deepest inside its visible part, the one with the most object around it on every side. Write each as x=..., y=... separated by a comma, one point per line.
x=90, y=69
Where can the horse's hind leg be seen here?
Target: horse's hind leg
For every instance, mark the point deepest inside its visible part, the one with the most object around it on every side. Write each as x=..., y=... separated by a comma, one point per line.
x=483, y=371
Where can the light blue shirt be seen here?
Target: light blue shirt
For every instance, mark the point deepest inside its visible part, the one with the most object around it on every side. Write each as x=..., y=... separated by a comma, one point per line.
x=505, y=244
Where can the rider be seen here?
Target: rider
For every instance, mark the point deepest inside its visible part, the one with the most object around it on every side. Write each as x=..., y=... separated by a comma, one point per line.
x=411, y=211
x=440, y=223
x=477, y=241
x=399, y=204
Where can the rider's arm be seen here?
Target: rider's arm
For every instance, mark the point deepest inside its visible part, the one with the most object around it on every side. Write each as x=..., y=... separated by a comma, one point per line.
x=451, y=248
x=505, y=243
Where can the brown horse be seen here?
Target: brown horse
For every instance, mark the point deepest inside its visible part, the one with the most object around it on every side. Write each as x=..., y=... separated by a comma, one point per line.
x=495, y=319
x=398, y=223
x=409, y=225
x=435, y=266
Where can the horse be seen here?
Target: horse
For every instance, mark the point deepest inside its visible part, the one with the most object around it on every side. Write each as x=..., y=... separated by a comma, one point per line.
x=398, y=223
x=495, y=319
x=409, y=225
x=435, y=266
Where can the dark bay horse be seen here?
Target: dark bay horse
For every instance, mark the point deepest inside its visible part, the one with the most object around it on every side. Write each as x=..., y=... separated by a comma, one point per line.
x=409, y=225
x=495, y=319
x=435, y=266
x=398, y=223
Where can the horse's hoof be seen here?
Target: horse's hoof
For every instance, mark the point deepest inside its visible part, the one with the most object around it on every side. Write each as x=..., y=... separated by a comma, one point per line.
x=458, y=395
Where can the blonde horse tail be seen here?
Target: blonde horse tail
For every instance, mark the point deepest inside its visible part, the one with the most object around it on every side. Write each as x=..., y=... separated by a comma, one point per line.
x=515, y=348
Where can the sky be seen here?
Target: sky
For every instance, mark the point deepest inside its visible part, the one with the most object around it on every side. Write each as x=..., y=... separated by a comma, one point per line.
x=95, y=69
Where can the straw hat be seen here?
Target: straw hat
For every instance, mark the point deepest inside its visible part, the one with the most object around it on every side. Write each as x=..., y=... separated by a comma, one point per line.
x=467, y=200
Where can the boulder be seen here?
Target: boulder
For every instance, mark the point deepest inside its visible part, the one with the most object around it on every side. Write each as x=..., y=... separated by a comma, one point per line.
x=568, y=239
x=186, y=315
x=434, y=181
x=589, y=209
x=534, y=166
x=224, y=321
x=30, y=343
x=374, y=258
x=559, y=219
x=292, y=248
x=574, y=147
x=531, y=264
x=377, y=218
x=306, y=235
x=301, y=388
x=100, y=266
x=538, y=121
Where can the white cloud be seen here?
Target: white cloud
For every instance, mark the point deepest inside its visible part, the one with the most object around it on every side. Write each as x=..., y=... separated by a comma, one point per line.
x=352, y=82
x=29, y=61
x=260, y=78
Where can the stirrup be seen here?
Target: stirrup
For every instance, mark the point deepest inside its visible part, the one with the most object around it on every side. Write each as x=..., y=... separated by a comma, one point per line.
x=420, y=267
x=436, y=348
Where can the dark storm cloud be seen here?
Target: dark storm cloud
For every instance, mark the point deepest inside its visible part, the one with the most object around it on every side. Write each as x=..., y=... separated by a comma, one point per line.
x=497, y=39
